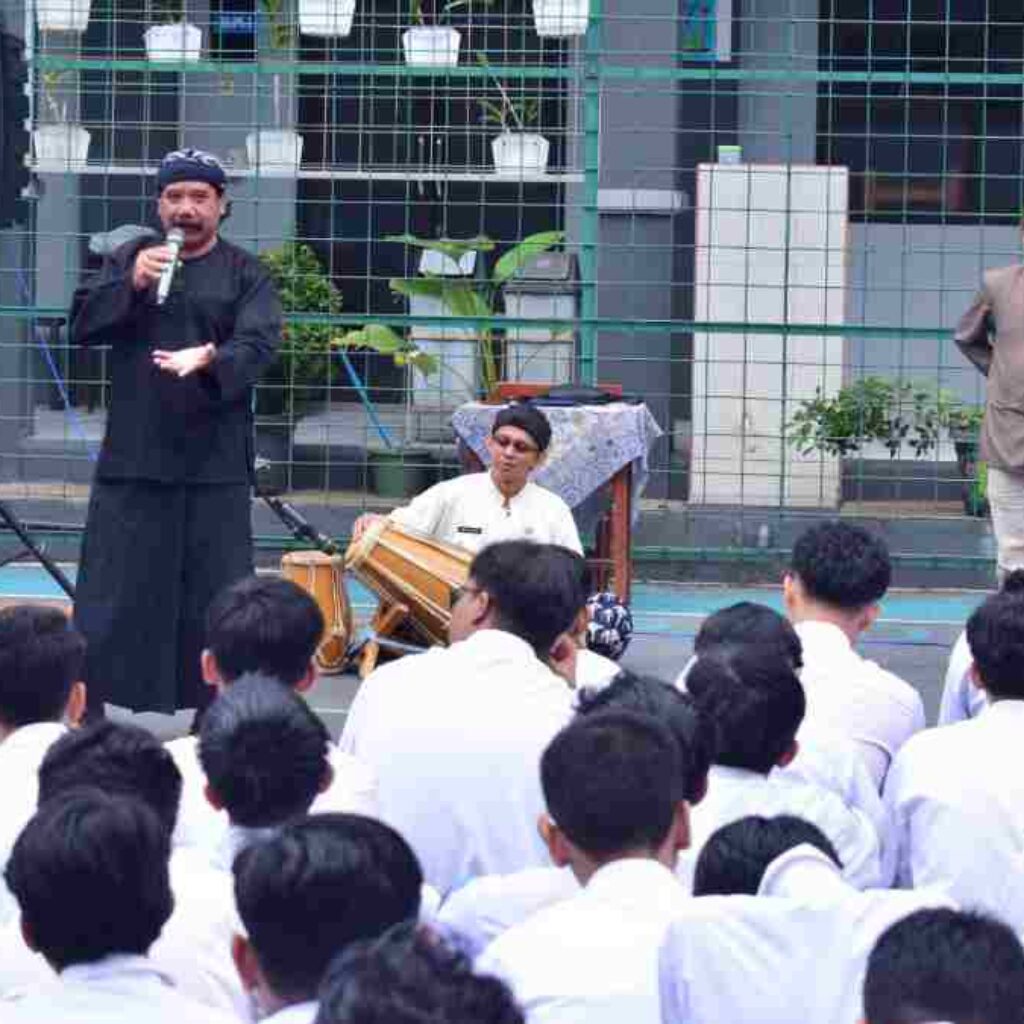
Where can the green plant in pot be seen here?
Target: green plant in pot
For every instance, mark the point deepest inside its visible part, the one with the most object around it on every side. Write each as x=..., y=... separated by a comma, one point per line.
x=474, y=297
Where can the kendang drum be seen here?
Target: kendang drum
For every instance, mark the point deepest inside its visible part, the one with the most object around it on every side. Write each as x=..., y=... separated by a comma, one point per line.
x=323, y=576
x=410, y=570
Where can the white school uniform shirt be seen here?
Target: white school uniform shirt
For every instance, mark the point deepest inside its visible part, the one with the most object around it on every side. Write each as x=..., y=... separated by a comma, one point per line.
x=955, y=797
x=735, y=793
x=470, y=512
x=116, y=988
x=353, y=790
x=594, y=671
x=20, y=756
x=486, y=907
x=297, y=1013
x=961, y=699
x=193, y=950
x=592, y=959
x=793, y=954
x=856, y=698
x=455, y=737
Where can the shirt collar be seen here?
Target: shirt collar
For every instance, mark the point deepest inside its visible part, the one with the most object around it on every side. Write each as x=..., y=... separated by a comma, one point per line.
x=117, y=965
x=297, y=1013
x=496, y=643
x=37, y=735
x=234, y=840
x=823, y=634
x=802, y=872
x=1007, y=708
x=498, y=496
x=630, y=875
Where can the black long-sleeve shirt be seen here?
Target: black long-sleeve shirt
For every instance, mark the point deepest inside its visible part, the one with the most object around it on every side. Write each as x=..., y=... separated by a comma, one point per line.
x=195, y=429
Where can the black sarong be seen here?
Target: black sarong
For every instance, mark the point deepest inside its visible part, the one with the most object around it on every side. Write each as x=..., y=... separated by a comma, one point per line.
x=153, y=557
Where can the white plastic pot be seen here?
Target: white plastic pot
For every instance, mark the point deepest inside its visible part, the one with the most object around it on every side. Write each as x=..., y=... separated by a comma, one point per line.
x=326, y=18
x=520, y=154
x=431, y=46
x=176, y=42
x=60, y=147
x=274, y=151
x=559, y=18
x=62, y=15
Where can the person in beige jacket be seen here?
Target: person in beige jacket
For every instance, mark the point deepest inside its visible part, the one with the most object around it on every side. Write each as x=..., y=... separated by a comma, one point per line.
x=991, y=335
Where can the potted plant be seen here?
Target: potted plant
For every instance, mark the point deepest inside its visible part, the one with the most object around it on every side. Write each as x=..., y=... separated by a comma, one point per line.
x=59, y=145
x=62, y=15
x=172, y=38
x=326, y=18
x=561, y=18
x=477, y=297
x=517, y=153
x=898, y=415
x=276, y=151
x=433, y=45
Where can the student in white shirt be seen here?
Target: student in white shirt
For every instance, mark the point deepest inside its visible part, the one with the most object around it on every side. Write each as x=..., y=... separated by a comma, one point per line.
x=945, y=965
x=306, y=894
x=480, y=911
x=409, y=976
x=955, y=795
x=90, y=873
x=838, y=574
x=961, y=699
x=614, y=784
x=824, y=757
x=756, y=703
x=501, y=503
x=272, y=627
x=193, y=947
x=41, y=661
x=455, y=734
x=776, y=935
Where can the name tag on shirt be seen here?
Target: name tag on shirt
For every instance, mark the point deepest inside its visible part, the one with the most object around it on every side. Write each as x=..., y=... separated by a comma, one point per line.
x=476, y=530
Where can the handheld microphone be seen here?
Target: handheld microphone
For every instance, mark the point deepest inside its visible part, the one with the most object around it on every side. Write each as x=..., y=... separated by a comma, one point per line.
x=175, y=240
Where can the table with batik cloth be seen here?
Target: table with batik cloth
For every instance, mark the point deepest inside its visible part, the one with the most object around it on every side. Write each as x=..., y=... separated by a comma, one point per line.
x=593, y=448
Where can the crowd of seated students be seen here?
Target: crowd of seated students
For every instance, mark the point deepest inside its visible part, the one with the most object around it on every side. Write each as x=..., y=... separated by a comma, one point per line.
x=773, y=838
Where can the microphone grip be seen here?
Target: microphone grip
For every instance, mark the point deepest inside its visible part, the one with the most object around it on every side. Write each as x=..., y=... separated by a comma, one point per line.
x=163, y=288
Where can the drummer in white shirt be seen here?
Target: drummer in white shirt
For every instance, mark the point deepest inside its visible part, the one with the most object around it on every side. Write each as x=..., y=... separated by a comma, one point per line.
x=614, y=785
x=90, y=874
x=501, y=503
x=838, y=574
x=955, y=795
x=267, y=626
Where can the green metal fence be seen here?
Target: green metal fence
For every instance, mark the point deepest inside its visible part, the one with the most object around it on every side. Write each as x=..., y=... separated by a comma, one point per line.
x=773, y=212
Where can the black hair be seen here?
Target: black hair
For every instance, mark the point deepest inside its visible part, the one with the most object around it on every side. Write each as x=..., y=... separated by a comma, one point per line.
x=316, y=887
x=264, y=624
x=687, y=723
x=612, y=781
x=264, y=752
x=995, y=635
x=755, y=702
x=526, y=417
x=734, y=858
x=117, y=758
x=842, y=564
x=410, y=976
x=41, y=657
x=536, y=590
x=748, y=622
x=90, y=874
x=948, y=965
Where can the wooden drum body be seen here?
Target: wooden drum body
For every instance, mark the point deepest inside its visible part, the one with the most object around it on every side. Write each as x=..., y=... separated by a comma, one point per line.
x=411, y=570
x=323, y=576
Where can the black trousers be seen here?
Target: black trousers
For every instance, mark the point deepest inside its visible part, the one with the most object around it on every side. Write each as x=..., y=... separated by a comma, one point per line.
x=153, y=557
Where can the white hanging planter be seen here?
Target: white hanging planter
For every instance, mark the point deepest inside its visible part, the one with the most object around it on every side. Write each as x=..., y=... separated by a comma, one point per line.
x=177, y=42
x=431, y=46
x=560, y=18
x=326, y=18
x=520, y=154
x=274, y=151
x=60, y=147
x=62, y=15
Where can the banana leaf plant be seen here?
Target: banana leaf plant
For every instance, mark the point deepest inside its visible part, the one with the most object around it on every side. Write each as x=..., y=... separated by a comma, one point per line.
x=477, y=297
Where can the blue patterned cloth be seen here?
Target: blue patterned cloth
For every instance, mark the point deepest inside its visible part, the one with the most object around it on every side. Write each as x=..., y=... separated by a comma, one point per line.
x=589, y=445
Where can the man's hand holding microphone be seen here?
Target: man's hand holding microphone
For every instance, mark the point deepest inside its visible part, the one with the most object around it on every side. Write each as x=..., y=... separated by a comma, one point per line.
x=156, y=265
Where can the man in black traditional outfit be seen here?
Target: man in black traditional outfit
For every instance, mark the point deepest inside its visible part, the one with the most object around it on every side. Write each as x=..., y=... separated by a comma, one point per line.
x=169, y=523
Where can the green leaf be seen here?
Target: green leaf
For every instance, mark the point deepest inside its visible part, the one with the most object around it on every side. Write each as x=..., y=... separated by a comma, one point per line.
x=378, y=337
x=521, y=254
x=422, y=287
